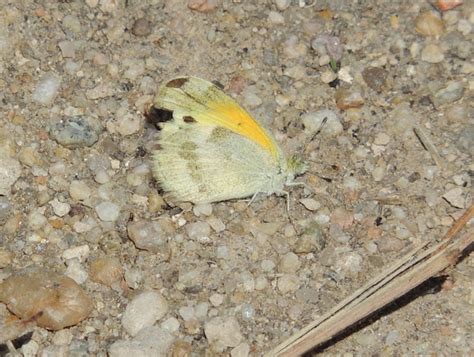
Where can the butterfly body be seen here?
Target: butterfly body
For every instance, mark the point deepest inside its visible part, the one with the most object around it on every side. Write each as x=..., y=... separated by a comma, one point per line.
x=212, y=150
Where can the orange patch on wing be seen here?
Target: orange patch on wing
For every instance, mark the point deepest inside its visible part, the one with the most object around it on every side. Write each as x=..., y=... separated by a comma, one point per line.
x=240, y=122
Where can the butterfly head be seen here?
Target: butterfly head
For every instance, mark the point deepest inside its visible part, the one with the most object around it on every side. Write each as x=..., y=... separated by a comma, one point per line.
x=295, y=166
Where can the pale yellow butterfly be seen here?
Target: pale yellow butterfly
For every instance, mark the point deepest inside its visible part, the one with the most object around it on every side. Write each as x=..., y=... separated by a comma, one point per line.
x=210, y=149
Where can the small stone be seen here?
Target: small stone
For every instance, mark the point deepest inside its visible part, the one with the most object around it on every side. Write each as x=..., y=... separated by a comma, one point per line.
x=171, y=324
x=351, y=262
x=455, y=197
x=328, y=76
x=5, y=258
x=374, y=77
x=76, y=271
x=428, y=24
x=216, y=299
x=310, y=204
x=107, y=211
x=313, y=122
x=143, y=311
x=46, y=89
x=61, y=301
x=187, y=313
x=198, y=230
x=150, y=341
x=79, y=190
x=10, y=171
x=5, y=208
x=288, y=283
x=107, y=271
x=392, y=337
x=327, y=44
x=389, y=244
x=309, y=242
x=68, y=49
x=202, y=5
x=148, y=235
x=242, y=350
x=36, y=220
x=74, y=132
x=282, y=4
x=289, y=263
x=30, y=349
x=224, y=331
x=342, y=217
x=346, y=99
x=29, y=156
x=381, y=139
x=80, y=253
x=449, y=94
x=62, y=337
x=275, y=18
x=60, y=209
x=202, y=209
x=72, y=23
x=141, y=27
x=251, y=99
x=128, y=124
x=432, y=54
x=216, y=224
x=465, y=141
x=293, y=48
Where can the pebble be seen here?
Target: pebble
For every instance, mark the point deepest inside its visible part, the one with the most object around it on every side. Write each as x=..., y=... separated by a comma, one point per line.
x=80, y=253
x=198, y=230
x=62, y=302
x=310, y=204
x=5, y=258
x=149, y=342
x=216, y=299
x=342, y=217
x=309, y=242
x=147, y=235
x=5, y=208
x=289, y=263
x=350, y=261
x=202, y=209
x=288, y=283
x=10, y=171
x=293, y=48
x=172, y=324
x=327, y=44
x=46, y=89
x=141, y=27
x=30, y=349
x=251, y=99
x=389, y=244
x=465, y=141
x=216, y=224
x=74, y=132
x=428, y=24
x=392, y=337
x=107, y=211
x=224, y=331
x=202, y=5
x=29, y=156
x=107, y=271
x=72, y=23
x=328, y=76
x=275, y=18
x=374, y=77
x=452, y=92
x=348, y=98
x=187, y=313
x=242, y=350
x=143, y=311
x=432, y=53
x=76, y=271
x=79, y=190
x=36, y=220
x=282, y=4
x=68, y=49
x=60, y=209
x=381, y=139
x=313, y=122
x=128, y=124
x=455, y=197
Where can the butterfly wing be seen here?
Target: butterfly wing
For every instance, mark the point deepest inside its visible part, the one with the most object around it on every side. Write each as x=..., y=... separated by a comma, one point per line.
x=211, y=149
x=196, y=99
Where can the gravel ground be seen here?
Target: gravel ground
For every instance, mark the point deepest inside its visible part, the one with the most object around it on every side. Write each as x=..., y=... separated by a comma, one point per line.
x=88, y=240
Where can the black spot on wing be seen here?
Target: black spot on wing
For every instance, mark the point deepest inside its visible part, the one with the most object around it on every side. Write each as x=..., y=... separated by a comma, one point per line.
x=218, y=85
x=157, y=115
x=189, y=119
x=176, y=83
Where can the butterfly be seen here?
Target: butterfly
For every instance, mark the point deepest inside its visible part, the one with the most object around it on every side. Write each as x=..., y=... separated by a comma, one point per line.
x=211, y=149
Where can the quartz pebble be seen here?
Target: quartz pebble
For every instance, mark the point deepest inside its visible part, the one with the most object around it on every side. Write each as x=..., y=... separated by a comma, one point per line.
x=79, y=190
x=147, y=235
x=202, y=5
x=224, y=331
x=149, y=342
x=455, y=197
x=432, y=53
x=198, y=230
x=143, y=311
x=76, y=132
x=106, y=270
x=313, y=122
x=289, y=263
x=60, y=209
x=310, y=204
x=428, y=24
x=46, y=89
x=141, y=27
x=282, y=4
x=107, y=211
x=288, y=283
x=62, y=302
x=10, y=171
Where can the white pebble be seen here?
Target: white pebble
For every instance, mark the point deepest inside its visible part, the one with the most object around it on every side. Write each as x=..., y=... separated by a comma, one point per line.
x=282, y=4
x=81, y=253
x=276, y=18
x=60, y=209
x=171, y=324
x=79, y=190
x=216, y=299
x=107, y=211
x=455, y=197
x=10, y=171
x=313, y=122
x=224, y=331
x=310, y=204
x=242, y=350
x=46, y=89
x=143, y=311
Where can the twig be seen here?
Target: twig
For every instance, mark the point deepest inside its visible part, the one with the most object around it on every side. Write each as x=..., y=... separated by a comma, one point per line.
x=428, y=145
x=408, y=272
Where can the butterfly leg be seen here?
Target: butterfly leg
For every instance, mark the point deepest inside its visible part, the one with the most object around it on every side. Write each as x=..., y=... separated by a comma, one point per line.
x=253, y=198
x=292, y=184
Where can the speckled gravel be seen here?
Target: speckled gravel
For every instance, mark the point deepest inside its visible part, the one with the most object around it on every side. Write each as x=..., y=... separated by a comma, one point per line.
x=343, y=84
